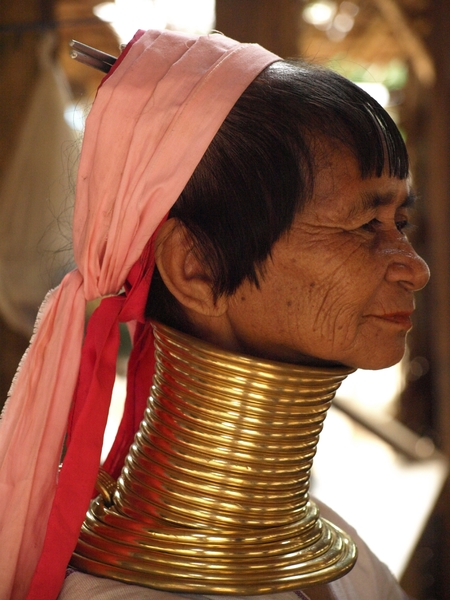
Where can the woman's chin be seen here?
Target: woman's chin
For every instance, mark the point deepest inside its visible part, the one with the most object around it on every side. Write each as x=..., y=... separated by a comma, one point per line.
x=376, y=362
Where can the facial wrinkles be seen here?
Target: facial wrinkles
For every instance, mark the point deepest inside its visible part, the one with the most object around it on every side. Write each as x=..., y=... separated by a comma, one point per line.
x=331, y=309
x=336, y=316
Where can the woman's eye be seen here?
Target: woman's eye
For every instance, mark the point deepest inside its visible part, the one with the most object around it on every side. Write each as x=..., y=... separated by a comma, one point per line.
x=374, y=225
x=371, y=225
x=402, y=225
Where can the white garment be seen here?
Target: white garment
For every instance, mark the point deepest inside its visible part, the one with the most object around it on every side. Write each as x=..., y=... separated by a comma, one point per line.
x=368, y=580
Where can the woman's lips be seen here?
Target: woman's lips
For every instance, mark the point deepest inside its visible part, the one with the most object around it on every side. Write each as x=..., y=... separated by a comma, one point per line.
x=402, y=319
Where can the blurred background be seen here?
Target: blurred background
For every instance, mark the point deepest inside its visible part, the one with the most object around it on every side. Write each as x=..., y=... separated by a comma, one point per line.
x=382, y=462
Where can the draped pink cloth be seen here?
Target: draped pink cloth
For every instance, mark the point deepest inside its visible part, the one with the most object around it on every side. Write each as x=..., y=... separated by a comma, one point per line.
x=149, y=126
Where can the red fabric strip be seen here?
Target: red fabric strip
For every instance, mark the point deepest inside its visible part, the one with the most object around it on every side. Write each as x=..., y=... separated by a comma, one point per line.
x=88, y=420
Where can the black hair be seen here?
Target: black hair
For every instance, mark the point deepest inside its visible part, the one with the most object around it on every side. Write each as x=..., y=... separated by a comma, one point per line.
x=259, y=170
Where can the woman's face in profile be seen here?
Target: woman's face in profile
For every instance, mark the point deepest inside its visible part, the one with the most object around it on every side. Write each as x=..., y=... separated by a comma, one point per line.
x=340, y=285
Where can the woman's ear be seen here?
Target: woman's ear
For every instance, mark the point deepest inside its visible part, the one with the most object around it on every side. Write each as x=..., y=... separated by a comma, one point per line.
x=183, y=274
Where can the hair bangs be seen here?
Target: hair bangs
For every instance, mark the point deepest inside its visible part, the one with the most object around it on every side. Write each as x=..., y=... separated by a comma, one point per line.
x=349, y=114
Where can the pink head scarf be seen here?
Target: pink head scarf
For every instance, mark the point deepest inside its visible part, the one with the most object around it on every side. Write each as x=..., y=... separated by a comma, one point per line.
x=153, y=118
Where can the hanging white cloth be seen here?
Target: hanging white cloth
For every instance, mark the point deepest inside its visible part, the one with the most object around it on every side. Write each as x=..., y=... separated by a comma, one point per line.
x=35, y=199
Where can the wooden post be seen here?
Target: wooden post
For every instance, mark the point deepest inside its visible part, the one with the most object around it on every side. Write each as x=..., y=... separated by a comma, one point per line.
x=437, y=206
x=274, y=25
x=438, y=211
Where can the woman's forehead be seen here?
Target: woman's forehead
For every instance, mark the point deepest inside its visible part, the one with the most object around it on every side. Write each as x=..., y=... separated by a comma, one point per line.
x=339, y=186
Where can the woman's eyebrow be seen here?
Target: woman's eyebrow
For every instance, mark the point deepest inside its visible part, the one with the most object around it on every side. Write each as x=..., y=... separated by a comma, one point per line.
x=372, y=200
x=410, y=200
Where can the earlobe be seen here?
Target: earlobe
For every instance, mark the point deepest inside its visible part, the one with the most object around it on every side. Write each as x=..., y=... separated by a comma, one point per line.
x=183, y=274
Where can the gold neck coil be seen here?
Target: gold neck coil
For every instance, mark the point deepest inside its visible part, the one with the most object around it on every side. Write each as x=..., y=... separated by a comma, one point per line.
x=213, y=496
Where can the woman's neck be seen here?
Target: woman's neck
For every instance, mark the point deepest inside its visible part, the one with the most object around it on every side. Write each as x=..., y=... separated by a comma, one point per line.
x=213, y=497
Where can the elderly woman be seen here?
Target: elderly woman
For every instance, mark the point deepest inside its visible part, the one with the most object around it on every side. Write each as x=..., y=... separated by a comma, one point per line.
x=247, y=217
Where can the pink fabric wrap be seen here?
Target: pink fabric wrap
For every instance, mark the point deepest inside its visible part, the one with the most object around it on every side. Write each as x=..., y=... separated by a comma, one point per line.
x=149, y=126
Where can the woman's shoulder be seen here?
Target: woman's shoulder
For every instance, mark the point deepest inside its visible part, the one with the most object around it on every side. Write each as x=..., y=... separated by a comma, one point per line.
x=81, y=585
x=369, y=579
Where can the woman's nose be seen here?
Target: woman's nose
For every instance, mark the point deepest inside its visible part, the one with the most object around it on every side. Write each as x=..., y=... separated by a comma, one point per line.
x=407, y=267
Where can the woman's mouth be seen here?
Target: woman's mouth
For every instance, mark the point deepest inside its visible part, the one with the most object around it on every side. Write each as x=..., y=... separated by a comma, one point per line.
x=403, y=319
